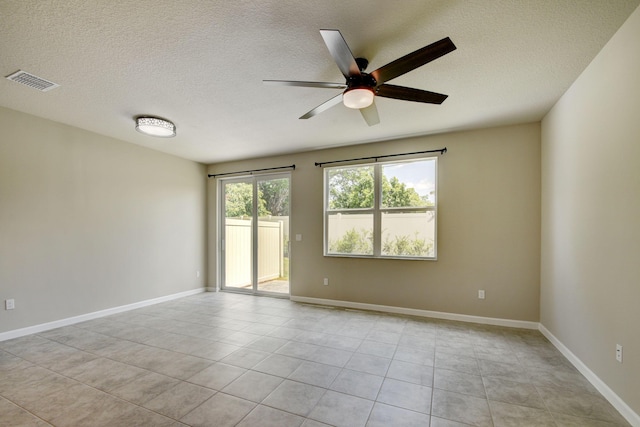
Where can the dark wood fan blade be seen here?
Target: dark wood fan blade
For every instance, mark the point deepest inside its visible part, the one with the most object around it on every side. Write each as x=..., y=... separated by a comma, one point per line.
x=340, y=52
x=324, y=106
x=370, y=114
x=323, y=85
x=413, y=60
x=410, y=94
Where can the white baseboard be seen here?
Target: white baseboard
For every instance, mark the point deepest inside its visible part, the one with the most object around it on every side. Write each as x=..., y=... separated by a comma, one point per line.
x=629, y=414
x=95, y=315
x=420, y=313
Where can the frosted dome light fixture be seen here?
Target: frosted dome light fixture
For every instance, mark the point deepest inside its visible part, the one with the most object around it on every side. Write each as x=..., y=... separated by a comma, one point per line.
x=155, y=126
x=359, y=97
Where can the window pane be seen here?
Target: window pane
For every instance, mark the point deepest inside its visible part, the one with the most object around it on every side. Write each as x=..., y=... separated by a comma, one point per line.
x=409, y=234
x=350, y=234
x=350, y=187
x=273, y=235
x=409, y=184
x=238, y=244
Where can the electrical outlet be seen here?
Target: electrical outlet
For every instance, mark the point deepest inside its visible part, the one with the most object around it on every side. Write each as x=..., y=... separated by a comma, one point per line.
x=619, y=353
x=481, y=294
x=326, y=281
x=9, y=304
x=197, y=273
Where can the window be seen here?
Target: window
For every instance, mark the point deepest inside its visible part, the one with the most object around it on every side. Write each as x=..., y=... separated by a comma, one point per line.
x=381, y=210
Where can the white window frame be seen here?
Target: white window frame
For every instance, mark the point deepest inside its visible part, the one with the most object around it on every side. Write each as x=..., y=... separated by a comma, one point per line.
x=377, y=210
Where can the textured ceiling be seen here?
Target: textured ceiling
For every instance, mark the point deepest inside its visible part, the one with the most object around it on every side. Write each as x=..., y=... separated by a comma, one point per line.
x=200, y=63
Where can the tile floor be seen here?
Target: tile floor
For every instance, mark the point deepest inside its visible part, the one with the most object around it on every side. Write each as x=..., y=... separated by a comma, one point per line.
x=223, y=359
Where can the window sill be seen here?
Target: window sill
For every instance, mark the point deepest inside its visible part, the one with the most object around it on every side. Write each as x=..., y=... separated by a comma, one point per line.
x=395, y=258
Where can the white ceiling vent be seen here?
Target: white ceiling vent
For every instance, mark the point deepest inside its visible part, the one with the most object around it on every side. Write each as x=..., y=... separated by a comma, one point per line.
x=32, y=81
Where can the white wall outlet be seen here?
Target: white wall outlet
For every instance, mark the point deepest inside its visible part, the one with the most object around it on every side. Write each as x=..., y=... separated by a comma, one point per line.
x=481, y=294
x=9, y=304
x=298, y=237
x=619, y=353
x=198, y=273
x=326, y=281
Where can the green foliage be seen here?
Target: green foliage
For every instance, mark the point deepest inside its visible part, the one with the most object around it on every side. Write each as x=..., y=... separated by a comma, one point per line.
x=274, y=193
x=405, y=246
x=239, y=200
x=353, y=242
x=361, y=242
x=396, y=194
x=353, y=188
x=273, y=198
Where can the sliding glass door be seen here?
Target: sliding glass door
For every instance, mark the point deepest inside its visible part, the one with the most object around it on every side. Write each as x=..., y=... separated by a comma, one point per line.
x=255, y=234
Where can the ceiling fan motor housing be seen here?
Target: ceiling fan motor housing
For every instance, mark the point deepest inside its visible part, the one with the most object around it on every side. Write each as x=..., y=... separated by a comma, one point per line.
x=362, y=80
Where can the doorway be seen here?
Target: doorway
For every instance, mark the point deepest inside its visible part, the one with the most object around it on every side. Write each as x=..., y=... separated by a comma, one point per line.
x=254, y=234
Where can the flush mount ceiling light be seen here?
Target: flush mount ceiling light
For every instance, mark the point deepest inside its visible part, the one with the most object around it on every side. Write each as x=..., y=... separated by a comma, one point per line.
x=359, y=97
x=155, y=126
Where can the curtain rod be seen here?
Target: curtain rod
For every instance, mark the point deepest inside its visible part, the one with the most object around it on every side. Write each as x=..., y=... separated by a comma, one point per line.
x=441, y=151
x=252, y=171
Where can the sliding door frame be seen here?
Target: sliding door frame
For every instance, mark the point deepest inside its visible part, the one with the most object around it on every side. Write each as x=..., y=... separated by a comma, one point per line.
x=254, y=180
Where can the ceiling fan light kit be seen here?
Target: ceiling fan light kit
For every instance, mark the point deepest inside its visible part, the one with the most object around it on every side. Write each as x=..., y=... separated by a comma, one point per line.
x=155, y=126
x=358, y=97
x=361, y=88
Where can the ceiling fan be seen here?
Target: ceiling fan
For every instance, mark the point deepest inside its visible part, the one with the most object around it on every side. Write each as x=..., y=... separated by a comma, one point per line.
x=361, y=87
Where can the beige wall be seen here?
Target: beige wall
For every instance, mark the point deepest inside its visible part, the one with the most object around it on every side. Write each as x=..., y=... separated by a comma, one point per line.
x=89, y=223
x=590, y=275
x=488, y=228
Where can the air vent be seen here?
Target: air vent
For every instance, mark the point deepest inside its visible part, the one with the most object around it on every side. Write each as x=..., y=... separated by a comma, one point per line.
x=32, y=81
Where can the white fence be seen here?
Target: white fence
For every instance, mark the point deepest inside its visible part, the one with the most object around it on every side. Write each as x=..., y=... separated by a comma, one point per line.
x=419, y=225
x=238, y=250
